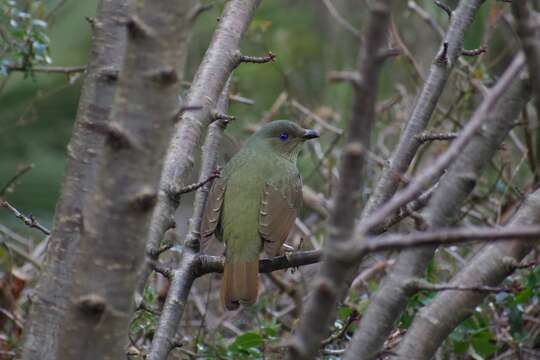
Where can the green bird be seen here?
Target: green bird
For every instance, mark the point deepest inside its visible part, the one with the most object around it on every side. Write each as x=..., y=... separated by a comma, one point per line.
x=253, y=205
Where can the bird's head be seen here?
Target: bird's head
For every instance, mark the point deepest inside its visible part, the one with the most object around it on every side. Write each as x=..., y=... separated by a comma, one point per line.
x=284, y=137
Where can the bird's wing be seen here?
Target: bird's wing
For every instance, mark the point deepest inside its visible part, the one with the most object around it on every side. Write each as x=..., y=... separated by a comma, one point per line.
x=211, y=221
x=277, y=213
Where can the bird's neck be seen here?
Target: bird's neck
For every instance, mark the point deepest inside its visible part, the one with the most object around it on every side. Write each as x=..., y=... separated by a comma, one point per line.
x=266, y=149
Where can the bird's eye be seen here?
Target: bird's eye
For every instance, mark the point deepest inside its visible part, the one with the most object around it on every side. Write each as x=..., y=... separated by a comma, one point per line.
x=283, y=136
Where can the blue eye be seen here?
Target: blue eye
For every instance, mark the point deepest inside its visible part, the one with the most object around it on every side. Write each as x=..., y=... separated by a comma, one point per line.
x=283, y=136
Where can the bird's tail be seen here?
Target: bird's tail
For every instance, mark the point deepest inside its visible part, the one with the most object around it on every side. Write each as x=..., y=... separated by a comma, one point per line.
x=240, y=283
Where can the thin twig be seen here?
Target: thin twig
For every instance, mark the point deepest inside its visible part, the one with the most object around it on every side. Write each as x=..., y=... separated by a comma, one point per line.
x=352, y=318
x=316, y=117
x=256, y=59
x=445, y=8
x=429, y=136
x=421, y=284
x=474, y=52
x=340, y=19
x=20, y=172
x=48, y=69
x=197, y=185
x=481, y=114
x=29, y=220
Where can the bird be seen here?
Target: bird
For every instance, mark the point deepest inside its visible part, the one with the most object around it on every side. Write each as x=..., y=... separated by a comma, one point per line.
x=252, y=206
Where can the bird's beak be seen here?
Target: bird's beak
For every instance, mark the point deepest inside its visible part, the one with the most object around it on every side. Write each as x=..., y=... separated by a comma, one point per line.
x=310, y=134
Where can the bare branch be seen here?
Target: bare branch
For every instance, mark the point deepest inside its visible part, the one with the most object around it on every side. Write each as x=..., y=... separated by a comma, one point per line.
x=316, y=117
x=340, y=19
x=221, y=116
x=470, y=151
x=408, y=209
x=197, y=185
x=241, y=100
x=199, y=9
x=255, y=59
x=474, y=52
x=20, y=172
x=426, y=16
x=527, y=29
x=207, y=264
x=445, y=8
x=428, y=136
x=328, y=286
x=350, y=76
x=485, y=111
x=487, y=268
x=49, y=69
x=443, y=237
x=421, y=284
x=218, y=63
x=424, y=107
x=188, y=267
x=29, y=220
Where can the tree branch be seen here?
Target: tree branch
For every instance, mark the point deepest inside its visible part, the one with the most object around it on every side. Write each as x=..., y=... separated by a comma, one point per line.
x=427, y=136
x=49, y=69
x=20, y=172
x=328, y=286
x=469, y=153
x=484, y=112
x=188, y=267
x=529, y=34
x=424, y=106
x=29, y=220
x=340, y=19
x=218, y=63
x=488, y=267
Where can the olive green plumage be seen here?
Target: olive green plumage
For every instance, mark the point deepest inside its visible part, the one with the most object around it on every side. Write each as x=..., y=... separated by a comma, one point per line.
x=253, y=205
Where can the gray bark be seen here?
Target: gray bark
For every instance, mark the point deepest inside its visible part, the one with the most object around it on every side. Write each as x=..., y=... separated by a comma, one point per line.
x=50, y=300
x=444, y=206
x=117, y=214
x=489, y=267
x=319, y=311
x=439, y=72
x=187, y=269
x=222, y=56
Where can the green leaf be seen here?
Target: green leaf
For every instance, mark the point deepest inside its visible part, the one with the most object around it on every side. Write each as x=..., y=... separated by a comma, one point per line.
x=483, y=344
x=523, y=296
x=344, y=312
x=246, y=341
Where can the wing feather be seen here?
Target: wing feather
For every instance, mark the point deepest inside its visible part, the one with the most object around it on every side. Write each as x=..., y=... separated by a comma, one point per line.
x=277, y=214
x=211, y=221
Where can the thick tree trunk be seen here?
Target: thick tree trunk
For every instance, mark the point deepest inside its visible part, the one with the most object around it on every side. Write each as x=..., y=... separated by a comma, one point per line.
x=116, y=217
x=50, y=300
